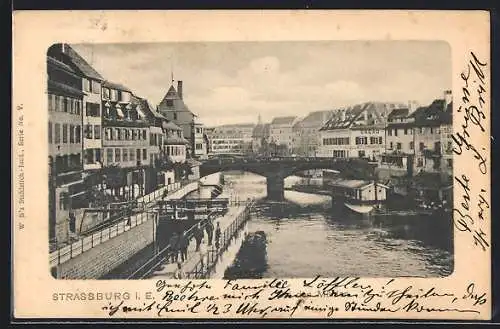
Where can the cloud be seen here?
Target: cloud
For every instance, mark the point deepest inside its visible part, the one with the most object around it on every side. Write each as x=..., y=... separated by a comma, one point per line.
x=227, y=82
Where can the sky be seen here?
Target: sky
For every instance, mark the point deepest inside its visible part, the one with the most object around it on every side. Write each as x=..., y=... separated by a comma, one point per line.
x=234, y=82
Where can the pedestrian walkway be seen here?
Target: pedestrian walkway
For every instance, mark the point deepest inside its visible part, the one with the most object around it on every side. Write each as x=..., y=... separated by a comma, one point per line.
x=168, y=270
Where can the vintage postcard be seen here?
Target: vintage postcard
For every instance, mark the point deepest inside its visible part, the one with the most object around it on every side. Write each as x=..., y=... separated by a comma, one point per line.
x=251, y=165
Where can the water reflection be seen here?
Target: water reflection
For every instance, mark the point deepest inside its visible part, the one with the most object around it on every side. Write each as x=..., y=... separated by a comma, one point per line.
x=305, y=238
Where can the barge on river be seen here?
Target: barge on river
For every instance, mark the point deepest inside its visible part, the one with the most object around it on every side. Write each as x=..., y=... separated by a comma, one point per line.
x=358, y=197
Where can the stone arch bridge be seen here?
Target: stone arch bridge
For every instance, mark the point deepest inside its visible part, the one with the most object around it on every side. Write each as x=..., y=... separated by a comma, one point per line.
x=276, y=169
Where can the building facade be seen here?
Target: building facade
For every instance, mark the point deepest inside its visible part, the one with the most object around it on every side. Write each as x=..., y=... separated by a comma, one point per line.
x=66, y=189
x=306, y=133
x=174, y=109
x=126, y=140
x=231, y=139
x=357, y=131
x=281, y=132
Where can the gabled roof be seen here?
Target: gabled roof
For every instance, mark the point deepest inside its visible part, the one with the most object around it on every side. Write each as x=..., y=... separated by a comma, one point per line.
x=398, y=113
x=82, y=65
x=283, y=120
x=352, y=116
x=434, y=114
x=178, y=104
x=114, y=85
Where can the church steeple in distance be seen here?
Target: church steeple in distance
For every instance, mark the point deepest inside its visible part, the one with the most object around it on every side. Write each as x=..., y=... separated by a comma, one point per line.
x=259, y=120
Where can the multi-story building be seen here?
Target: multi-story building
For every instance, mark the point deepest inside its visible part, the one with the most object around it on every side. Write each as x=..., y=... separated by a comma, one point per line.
x=306, y=133
x=231, y=139
x=356, y=132
x=420, y=140
x=174, y=109
x=281, y=132
x=66, y=189
x=126, y=139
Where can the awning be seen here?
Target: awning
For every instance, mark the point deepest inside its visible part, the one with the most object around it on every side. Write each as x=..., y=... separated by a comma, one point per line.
x=359, y=209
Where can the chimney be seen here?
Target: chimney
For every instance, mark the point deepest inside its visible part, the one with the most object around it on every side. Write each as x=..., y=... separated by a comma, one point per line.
x=179, y=89
x=342, y=114
x=448, y=98
x=63, y=48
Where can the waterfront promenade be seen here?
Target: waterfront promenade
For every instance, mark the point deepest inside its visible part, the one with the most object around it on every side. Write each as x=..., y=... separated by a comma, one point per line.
x=192, y=267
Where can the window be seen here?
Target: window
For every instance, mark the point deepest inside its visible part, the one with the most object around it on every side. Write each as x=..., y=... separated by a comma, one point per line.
x=78, y=134
x=50, y=132
x=125, y=155
x=57, y=135
x=65, y=133
x=152, y=140
x=107, y=133
x=175, y=115
x=117, y=155
x=92, y=110
x=64, y=104
x=389, y=132
x=431, y=130
x=421, y=146
x=361, y=154
x=170, y=102
x=144, y=154
x=398, y=146
x=98, y=155
x=390, y=146
x=105, y=93
x=63, y=201
x=51, y=104
x=395, y=132
x=450, y=163
x=86, y=85
x=71, y=134
x=144, y=134
x=132, y=155
x=114, y=95
x=109, y=155
x=380, y=140
x=88, y=131
x=97, y=132
x=134, y=134
x=406, y=131
x=96, y=87
x=412, y=146
x=127, y=134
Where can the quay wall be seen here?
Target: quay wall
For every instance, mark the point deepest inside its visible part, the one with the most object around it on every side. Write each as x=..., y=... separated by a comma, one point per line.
x=104, y=257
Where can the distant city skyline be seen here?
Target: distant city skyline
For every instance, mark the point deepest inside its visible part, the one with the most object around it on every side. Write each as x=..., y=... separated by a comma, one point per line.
x=232, y=83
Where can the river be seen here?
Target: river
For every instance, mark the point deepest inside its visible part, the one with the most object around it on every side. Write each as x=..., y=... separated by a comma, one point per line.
x=306, y=238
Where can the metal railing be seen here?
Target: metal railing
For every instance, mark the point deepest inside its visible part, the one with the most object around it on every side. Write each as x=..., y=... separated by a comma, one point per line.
x=203, y=268
x=111, y=228
x=163, y=257
x=76, y=248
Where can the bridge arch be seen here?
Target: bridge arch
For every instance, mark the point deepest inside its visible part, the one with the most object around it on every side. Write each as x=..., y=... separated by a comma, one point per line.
x=275, y=170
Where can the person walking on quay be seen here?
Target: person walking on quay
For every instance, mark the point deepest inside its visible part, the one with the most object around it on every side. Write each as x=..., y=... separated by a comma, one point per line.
x=210, y=231
x=174, y=247
x=179, y=272
x=198, y=235
x=184, y=243
x=202, y=251
x=217, y=236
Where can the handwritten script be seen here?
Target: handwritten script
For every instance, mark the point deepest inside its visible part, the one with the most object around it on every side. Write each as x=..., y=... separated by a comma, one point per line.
x=470, y=215
x=278, y=298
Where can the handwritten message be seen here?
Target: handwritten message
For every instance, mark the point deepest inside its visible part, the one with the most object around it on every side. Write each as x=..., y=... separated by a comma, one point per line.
x=278, y=298
x=470, y=215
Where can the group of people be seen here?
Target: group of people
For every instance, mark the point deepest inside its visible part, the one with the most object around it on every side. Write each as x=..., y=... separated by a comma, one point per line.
x=179, y=244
